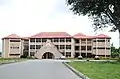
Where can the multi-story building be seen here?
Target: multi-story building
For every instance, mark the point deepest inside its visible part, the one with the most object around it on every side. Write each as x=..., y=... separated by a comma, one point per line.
x=56, y=44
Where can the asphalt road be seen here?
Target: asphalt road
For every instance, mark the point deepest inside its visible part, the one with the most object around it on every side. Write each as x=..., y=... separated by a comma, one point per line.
x=36, y=69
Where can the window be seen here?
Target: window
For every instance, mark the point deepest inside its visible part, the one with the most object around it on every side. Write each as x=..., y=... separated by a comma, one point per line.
x=62, y=53
x=68, y=46
x=62, y=46
x=62, y=39
x=26, y=40
x=89, y=40
x=50, y=39
x=76, y=47
x=68, y=39
x=99, y=48
x=38, y=46
x=83, y=41
x=44, y=40
x=108, y=41
x=77, y=54
x=38, y=40
x=57, y=46
x=99, y=41
x=32, y=46
x=83, y=47
x=88, y=47
x=14, y=40
x=14, y=47
x=13, y=54
x=26, y=47
x=32, y=40
x=32, y=53
x=55, y=39
x=108, y=48
x=76, y=41
x=68, y=54
x=94, y=40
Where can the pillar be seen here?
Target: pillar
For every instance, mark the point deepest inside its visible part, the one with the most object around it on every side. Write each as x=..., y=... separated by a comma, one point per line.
x=29, y=48
x=105, y=47
x=86, y=47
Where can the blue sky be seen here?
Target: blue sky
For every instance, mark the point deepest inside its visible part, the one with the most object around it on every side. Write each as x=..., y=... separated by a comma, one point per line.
x=28, y=17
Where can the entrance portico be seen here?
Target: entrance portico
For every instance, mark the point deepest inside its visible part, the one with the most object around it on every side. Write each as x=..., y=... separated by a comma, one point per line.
x=48, y=51
x=48, y=55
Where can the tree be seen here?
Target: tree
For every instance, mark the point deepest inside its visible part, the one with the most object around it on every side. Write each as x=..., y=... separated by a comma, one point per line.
x=0, y=54
x=25, y=54
x=103, y=12
x=115, y=51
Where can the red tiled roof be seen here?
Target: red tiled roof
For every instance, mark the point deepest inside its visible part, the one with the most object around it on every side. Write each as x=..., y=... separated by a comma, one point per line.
x=12, y=36
x=26, y=38
x=56, y=35
x=101, y=36
x=51, y=35
x=80, y=35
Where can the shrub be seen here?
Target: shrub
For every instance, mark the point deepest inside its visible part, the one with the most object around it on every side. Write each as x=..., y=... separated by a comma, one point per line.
x=118, y=60
x=29, y=57
x=23, y=56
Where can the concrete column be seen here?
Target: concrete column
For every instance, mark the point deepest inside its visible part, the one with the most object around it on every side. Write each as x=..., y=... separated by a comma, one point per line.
x=92, y=50
x=72, y=48
x=35, y=45
x=20, y=47
x=86, y=47
x=9, y=48
x=105, y=47
x=80, y=47
x=3, y=48
x=52, y=40
x=59, y=43
x=65, y=46
x=29, y=48
x=41, y=42
x=96, y=46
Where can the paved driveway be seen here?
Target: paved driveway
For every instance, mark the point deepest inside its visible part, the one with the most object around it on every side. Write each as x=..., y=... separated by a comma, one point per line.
x=36, y=69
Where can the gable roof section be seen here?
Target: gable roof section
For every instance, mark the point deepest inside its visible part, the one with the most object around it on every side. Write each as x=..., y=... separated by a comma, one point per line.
x=25, y=38
x=102, y=36
x=51, y=35
x=12, y=36
x=56, y=35
x=80, y=35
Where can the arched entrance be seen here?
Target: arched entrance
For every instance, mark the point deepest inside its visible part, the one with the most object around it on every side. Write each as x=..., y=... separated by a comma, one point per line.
x=48, y=55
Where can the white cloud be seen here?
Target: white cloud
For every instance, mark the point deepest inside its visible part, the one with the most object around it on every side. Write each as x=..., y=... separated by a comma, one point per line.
x=28, y=17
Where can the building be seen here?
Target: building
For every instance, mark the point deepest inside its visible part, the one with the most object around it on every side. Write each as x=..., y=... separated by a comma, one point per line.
x=48, y=45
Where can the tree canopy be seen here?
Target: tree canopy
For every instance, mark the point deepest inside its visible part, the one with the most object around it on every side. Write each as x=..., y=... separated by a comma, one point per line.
x=103, y=12
x=114, y=51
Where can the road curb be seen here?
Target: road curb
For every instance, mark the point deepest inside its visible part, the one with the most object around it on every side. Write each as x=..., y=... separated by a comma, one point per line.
x=81, y=75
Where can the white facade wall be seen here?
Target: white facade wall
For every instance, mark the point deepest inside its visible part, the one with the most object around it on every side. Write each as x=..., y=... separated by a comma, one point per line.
x=6, y=47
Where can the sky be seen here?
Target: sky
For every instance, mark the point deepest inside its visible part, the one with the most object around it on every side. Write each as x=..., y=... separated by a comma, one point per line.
x=29, y=17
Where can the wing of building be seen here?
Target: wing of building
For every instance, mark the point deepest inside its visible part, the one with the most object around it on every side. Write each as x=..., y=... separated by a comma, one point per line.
x=50, y=45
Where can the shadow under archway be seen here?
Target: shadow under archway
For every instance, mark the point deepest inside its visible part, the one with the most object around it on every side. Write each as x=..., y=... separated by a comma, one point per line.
x=48, y=55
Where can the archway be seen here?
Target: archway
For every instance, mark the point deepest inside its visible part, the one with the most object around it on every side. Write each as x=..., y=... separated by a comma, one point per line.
x=47, y=55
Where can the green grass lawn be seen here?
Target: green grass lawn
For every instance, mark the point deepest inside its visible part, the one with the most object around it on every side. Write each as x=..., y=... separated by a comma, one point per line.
x=6, y=60
x=92, y=58
x=98, y=70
